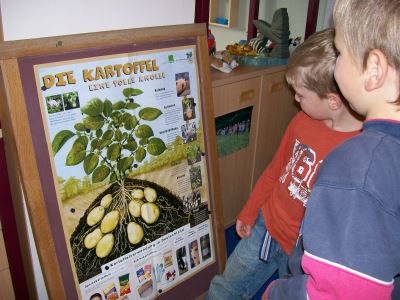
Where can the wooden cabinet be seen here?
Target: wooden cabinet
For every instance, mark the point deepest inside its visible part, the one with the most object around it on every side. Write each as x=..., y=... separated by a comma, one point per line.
x=273, y=107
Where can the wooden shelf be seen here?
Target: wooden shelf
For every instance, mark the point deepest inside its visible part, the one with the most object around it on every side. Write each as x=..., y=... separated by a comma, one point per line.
x=227, y=9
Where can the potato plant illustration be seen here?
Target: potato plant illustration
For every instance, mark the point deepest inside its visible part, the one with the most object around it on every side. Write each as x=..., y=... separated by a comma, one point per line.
x=109, y=142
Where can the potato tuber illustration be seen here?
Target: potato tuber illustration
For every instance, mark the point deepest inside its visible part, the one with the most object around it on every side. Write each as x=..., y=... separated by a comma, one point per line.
x=135, y=233
x=105, y=245
x=137, y=194
x=93, y=238
x=150, y=194
x=124, y=226
x=150, y=212
x=95, y=215
x=134, y=207
x=110, y=221
x=106, y=201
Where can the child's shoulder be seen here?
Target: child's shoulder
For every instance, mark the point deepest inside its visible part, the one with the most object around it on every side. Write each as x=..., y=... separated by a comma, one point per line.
x=301, y=118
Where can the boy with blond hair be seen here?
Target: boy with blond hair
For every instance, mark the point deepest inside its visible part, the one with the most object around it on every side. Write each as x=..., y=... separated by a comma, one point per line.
x=269, y=222
x=351, y=226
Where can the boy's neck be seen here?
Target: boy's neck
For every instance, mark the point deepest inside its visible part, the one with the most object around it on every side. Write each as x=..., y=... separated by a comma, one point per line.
x=345, y=121
x=388, y=111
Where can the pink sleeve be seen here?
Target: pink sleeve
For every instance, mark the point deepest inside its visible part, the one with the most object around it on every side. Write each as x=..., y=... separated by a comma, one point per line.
x=348, y=283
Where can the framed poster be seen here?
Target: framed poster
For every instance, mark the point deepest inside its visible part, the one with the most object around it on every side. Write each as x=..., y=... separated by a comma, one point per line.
x=117, y=140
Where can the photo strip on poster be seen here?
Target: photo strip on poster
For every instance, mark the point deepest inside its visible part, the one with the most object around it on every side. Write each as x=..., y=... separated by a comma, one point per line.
x=126, y=141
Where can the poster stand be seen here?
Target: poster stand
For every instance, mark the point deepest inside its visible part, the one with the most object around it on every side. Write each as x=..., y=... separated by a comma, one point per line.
x=51, y=124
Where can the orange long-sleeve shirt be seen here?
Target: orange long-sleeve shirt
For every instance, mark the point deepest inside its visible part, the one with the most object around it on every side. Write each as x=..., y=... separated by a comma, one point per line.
x=283, y=189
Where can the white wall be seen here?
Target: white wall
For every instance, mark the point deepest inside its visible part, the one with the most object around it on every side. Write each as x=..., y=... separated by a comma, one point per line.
x=23, y=19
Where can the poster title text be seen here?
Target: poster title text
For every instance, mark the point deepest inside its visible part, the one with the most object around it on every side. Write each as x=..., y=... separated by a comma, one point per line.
x=101, y=72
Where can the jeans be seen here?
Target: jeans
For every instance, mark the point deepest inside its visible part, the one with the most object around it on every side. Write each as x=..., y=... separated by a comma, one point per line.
x=244, y=272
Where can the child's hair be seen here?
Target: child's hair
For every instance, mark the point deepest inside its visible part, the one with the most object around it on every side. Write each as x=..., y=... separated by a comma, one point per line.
x=312, y=64
x=369, y=24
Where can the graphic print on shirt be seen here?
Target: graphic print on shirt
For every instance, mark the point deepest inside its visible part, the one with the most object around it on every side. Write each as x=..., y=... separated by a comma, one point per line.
x=300, y=170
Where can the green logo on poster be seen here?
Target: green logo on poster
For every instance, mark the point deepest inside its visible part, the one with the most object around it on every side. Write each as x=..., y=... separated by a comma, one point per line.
x=170, y=58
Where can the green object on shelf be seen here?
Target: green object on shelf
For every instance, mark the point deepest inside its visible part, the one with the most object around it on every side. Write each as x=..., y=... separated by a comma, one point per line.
x=260, y=60
x=278, y=32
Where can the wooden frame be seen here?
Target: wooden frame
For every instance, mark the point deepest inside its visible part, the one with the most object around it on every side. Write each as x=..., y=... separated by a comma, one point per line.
x=21, y=138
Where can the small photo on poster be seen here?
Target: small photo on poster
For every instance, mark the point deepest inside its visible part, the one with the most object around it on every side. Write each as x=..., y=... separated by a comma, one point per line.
x=54, y=104
x=110, y=292
x=182, y=84
x=96, y=296
x=205, y=247
x=188, y=108
x=193, y=154
x=194, y=254
x=181, y=258
x=71, y=100
x=124, y=285
x=145, y=280
x=195, y=177
x=145, y=289
x=170, y=275
x=233, y=131
x=144, y=273
x=168, y=260
x=189, y=133
x=191, y=201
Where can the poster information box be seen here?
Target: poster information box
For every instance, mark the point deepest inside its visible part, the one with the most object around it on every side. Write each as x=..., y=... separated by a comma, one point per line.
x=124, y=153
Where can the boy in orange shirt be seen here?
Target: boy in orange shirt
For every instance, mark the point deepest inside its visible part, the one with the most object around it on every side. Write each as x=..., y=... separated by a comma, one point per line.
x=270, y=221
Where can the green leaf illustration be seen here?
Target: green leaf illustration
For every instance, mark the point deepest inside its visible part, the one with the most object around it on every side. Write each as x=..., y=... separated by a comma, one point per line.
x=79, y=127
x=143, y=142
x=118, y=105
x=100, y=173
x=149, y=113
x=108, y=128
x=99, y=133
x=93, y=144
x=140, y=154
x=130, y=92
x=93, y=123
x=103, y=143
x=93, y=108
x=132, y=105
x=113, y=178
x=130, y=121
x=82, y=140
x=90, y=163
x=118, y=135
x=156, y=146
x=60, y=139
x=144, y=131
x=107, y=109
x=125, y=163
x=76, y=155
x=113, y=151
x=108, y=135
x=130, y=145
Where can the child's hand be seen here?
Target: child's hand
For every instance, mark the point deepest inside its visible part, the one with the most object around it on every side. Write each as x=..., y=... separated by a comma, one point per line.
x=242, y=229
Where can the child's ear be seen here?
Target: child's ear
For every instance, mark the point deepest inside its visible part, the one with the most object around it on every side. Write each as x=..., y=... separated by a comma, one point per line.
x=334, y=101
x=376, y=70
